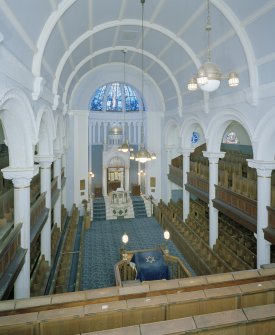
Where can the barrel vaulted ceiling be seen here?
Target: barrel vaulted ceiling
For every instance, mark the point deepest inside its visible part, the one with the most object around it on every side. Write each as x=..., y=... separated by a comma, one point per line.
x=63, y=40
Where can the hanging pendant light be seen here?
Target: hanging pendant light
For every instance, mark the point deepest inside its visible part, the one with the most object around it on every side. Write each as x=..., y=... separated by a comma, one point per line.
x=125, y=147
x=209, y=75
x=142, y=154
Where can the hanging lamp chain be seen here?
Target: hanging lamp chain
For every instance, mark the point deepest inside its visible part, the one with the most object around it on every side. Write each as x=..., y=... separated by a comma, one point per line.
x=142, y=68
x=124, y=108
x=208, y=29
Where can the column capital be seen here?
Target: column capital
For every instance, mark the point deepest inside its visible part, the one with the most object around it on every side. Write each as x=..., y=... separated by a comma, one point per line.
x=213, y=157
x=186, y=152
x=21, y=177
x=264, y=168
x=45, y=161
x=57, y=154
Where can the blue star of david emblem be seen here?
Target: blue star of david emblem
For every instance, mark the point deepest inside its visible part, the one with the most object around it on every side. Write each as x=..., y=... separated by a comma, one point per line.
x=150, y=259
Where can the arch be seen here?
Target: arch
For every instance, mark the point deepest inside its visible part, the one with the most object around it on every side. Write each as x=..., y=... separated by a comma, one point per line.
x=19, y=126
x=219, y=124
x=263, y=138
x=46, y=130
x=102, y=51
x=219, y=4
x=105, y=73
x=172, y=134
x=189, y=125
x=245, y=41
x=59, y=142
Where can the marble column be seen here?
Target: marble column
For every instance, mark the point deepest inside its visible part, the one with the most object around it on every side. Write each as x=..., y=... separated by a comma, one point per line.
x=57, y=205
x=264, y=170
x=213, y=158
x=186, y=195
x=21, y=178
x=45, y=163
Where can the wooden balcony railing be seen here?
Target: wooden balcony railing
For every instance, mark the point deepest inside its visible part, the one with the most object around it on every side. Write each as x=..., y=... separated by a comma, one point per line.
x=198, y=186
x=238, y=207
x=269, y=232
x=175, y=175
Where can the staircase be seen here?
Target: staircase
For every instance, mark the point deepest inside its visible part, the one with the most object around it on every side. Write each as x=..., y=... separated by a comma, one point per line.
x=139, y=207
x=99, y=210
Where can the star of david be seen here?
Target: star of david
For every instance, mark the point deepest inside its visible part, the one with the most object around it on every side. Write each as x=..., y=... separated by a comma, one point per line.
x=150, y=259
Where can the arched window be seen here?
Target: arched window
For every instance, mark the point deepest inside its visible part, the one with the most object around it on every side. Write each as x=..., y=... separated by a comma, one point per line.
x=116, y=97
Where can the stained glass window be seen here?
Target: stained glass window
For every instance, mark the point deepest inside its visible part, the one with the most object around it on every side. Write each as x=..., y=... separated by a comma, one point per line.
x=232, y=138
x=116, y=97
x=195, y=137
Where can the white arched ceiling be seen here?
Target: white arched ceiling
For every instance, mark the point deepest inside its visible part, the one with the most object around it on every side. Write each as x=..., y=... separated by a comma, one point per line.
x=50, y=39
x=65, y=5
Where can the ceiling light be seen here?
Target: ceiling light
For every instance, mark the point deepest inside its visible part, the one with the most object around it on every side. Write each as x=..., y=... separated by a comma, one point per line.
x=209, y=75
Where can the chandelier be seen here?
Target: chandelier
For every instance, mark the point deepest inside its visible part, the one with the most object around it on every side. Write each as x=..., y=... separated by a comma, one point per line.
x=209, y=75
x=125, y=147
x=142, y=155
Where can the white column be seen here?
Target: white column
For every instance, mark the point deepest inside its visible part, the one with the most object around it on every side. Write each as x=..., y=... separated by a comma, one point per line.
x=104, y=181
x=127, y=178
x=45, y=163
x=64, y=190
x=93, y=133
x=57, y=173
x=139, y=133
x=186, y=195
x=135, y=133
x=213, y=158
x=168, y=194
x=21, y=178
x=264, y=170
x=105, y=132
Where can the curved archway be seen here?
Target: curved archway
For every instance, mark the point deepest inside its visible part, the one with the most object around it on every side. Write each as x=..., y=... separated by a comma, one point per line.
x=218, y=126
x=263, y=137
x=46, y=131
x=19, y=125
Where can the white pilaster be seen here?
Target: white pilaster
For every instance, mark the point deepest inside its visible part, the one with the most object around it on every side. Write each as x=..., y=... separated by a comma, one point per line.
x=186, y=195
x=104, y=181
x=213, y=158
x=45, y=163
x=168, y=192
x=21, y=178
x=127, y=182
x=57, y=173
x=264, y=170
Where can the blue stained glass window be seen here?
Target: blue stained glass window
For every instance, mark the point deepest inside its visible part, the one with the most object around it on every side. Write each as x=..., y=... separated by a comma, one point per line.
x=116, y=97
x=97, y=101
x=195, y=137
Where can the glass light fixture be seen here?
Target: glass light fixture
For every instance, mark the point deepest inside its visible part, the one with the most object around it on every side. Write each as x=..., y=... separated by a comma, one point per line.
x=209, y=75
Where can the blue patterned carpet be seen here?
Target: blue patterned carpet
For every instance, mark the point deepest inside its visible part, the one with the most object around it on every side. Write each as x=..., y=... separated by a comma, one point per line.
x=103, y=241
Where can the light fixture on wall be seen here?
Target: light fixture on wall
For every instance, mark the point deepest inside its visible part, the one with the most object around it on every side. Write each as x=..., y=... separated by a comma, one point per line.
x=142, y=155
x=125, y=147
x=209, y=76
